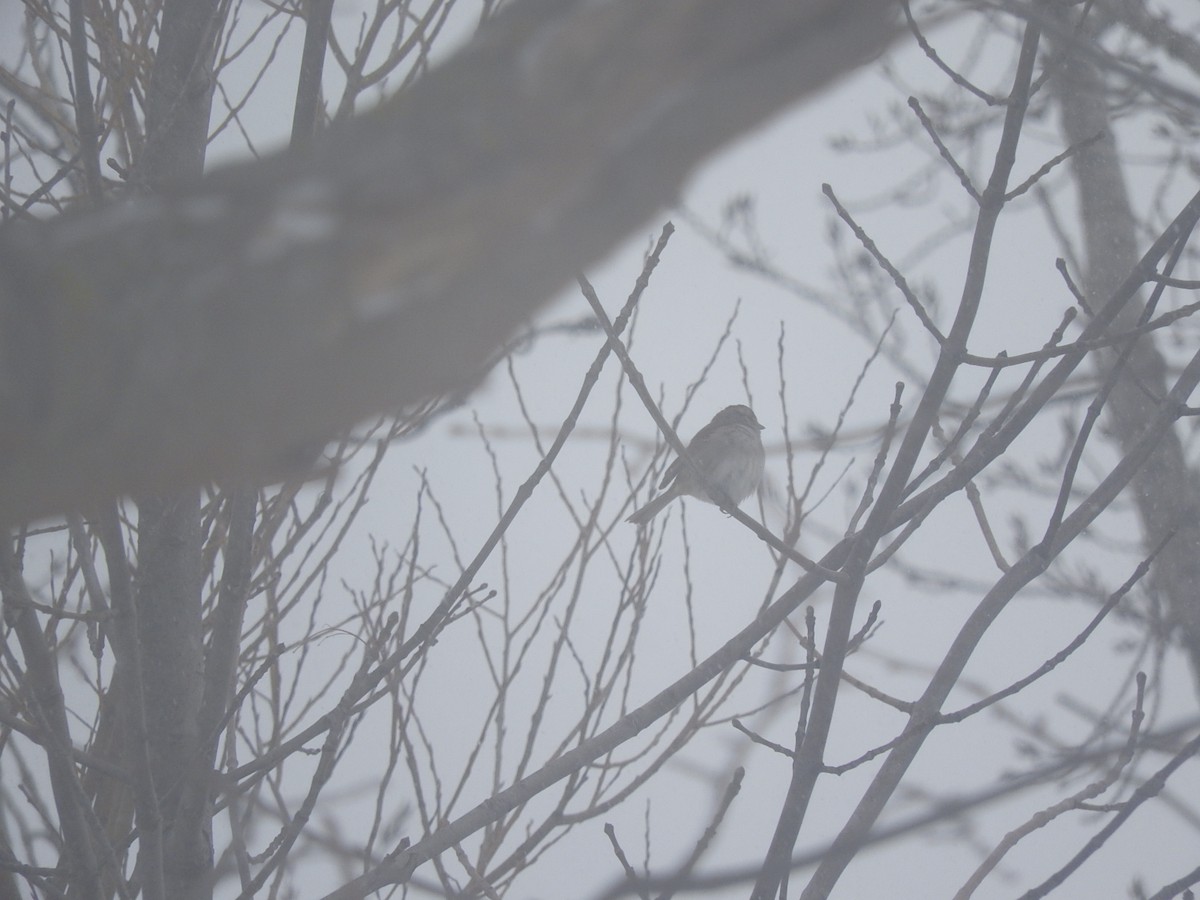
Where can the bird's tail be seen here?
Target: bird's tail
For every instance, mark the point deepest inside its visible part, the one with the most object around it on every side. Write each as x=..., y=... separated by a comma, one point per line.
x=653, y=508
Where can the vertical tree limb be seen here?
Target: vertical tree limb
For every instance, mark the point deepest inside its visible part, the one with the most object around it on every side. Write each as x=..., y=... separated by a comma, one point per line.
x=83, y=872
x=1165, y=492
x=809, y=761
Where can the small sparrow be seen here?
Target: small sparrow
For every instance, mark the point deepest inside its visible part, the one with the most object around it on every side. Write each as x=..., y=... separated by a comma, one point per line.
x=728, y=450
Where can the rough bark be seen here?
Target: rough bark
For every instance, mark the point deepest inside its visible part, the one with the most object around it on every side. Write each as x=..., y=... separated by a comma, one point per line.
x=169, y=636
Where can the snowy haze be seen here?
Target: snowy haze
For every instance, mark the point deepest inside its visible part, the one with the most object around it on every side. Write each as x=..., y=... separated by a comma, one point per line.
x=795, y=353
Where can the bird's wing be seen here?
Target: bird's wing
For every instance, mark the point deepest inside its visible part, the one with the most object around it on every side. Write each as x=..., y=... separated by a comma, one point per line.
x=709, y=450
x=704, y=451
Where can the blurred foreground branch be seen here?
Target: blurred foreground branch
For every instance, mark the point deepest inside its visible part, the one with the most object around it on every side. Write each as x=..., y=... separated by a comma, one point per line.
x=210, y=330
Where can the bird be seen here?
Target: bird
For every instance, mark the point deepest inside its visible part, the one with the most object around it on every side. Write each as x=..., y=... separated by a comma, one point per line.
x=728, y=450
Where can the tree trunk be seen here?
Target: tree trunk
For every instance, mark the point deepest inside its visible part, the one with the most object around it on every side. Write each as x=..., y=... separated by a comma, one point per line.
x=170, y=569
x=1164, y=490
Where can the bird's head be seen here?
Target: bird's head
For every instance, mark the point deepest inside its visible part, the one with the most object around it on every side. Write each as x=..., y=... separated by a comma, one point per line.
x=738, y=414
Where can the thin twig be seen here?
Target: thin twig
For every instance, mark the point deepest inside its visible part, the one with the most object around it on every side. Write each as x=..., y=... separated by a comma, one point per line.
x=897, y=278
x=624, y=861
x=964, y=179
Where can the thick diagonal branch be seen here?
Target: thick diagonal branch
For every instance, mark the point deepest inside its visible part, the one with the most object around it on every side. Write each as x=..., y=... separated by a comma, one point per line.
x=208, y=331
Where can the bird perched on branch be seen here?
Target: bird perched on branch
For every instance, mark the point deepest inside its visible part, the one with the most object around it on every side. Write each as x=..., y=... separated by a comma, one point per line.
x=729, y=453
